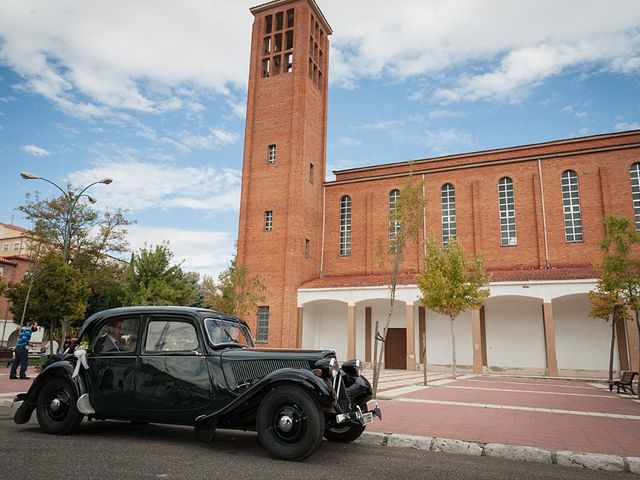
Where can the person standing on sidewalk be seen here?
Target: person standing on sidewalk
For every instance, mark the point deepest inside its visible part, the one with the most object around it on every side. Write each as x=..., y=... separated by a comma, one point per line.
x=21, y=354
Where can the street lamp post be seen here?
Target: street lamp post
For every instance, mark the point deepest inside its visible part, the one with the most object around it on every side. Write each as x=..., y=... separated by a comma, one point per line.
x=71, y=199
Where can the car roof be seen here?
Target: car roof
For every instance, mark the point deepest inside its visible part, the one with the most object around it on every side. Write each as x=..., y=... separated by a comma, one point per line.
x=88, y=324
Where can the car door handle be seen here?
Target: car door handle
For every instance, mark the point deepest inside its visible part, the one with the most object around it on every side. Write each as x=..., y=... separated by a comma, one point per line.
x=196, y=353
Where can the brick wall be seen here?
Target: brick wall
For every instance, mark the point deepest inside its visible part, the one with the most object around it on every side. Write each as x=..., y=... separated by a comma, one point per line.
x=602, y=166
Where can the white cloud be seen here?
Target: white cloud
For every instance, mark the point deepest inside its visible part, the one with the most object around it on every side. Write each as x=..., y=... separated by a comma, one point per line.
x=202, y=251
x=217, y=138
x=35, y=150
x=349, y=142
x=627, y=126
x=140, y=186
x=490, y=49
x=447, y=141
x=93, y=59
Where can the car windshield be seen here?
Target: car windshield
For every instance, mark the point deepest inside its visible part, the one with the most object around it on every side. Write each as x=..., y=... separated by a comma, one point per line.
x=226, y=332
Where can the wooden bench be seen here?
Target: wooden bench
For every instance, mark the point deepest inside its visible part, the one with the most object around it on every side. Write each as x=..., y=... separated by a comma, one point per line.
x=625, y=383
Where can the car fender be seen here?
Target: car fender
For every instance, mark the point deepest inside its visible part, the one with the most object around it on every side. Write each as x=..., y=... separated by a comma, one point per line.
x=318, y=387
x=359, y=390
x=62, y=368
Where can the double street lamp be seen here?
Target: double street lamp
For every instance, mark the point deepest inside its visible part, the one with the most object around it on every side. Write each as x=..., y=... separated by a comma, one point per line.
x=71, y=199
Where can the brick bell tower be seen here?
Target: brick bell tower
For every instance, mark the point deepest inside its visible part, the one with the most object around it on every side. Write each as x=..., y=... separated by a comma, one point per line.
x=280, y=228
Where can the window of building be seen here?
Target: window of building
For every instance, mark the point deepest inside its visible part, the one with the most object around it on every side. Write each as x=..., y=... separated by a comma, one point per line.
x=634, y=173
x=571, y=205
x=311, y=173
x=5, y=247
x=394, y=222
x=345, y=226
x=507, y=212
x=271, y=154
x=307, y=249
x=268, y=220
x=268, y=24
x=262, y=333
x=448, y=212
x=16, y=245
x=290, y=18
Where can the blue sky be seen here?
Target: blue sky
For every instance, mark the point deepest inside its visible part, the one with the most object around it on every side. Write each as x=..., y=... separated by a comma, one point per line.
x=152, y=93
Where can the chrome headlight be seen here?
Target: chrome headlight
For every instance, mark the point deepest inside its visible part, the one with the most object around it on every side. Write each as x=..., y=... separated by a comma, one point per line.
x=352, y=367
x=333, y=367
x=326, y=368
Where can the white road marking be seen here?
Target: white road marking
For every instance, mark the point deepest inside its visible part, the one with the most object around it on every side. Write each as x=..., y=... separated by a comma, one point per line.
x=528, y=409
x=528, y=391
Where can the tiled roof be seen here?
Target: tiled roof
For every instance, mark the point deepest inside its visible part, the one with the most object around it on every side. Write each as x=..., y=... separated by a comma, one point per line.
x=577, y=272
x=15, y=227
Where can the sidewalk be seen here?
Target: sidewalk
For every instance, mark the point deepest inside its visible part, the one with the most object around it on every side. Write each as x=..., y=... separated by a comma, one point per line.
x=557, y=418
x=536, y=419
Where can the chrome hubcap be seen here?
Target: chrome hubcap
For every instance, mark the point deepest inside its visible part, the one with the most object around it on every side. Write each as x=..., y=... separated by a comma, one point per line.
x=55, y=405
x=285, y=424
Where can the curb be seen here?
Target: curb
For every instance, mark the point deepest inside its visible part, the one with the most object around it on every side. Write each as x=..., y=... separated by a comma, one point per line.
x=592, y=461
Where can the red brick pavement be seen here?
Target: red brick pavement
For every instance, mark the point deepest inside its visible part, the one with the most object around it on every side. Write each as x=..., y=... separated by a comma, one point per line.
x=557, y=431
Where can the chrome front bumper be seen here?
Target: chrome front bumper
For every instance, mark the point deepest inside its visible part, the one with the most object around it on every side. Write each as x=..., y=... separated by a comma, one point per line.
x=363, y=418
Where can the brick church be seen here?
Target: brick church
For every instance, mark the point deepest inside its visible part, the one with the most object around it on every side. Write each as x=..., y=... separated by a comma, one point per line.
x=535, y=211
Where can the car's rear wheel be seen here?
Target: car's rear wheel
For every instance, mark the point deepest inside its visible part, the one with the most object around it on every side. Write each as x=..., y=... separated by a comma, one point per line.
x=56, y=407
x=290, y=423
x=344, y=434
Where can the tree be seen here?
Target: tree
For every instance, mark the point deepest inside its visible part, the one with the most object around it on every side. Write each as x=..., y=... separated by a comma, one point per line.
x=608, y=305
x=619, y=271
x=405, y=219
x=58, y=294
x=237, y=291
x=152, y=279
x=451, y=283
x=90, y=233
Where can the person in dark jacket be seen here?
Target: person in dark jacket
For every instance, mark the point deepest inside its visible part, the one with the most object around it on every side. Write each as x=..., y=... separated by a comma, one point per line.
x=21, y=353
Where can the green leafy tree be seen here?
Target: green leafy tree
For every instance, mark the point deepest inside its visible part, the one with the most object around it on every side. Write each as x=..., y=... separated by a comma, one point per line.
x=405, y=221
x=153, y=279
x=619, y=270
x=237, y=292
x=93, y=237
x=58, y=294
x=451, y=283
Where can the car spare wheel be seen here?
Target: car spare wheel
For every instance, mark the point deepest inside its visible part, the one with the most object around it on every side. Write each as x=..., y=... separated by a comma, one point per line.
x=290, y=423
x=56, y=407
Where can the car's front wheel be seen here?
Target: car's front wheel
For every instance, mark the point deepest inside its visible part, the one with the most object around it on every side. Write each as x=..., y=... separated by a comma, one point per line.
x=290, y=423
x=344, y=434
x=56, y=408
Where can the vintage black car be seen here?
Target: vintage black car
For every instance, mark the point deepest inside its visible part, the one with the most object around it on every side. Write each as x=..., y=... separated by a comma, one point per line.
x=193, y=366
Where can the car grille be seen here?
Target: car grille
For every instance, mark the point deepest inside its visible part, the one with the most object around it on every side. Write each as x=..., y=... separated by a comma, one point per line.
x=247, y=370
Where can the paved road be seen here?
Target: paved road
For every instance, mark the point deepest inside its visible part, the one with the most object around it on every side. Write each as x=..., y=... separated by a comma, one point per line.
x=117, y=450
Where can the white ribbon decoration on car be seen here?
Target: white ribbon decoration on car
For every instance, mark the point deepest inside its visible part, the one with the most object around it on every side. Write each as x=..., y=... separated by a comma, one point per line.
x=81, y=355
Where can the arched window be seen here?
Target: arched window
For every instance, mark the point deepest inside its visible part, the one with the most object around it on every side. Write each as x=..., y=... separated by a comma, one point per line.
x=448, y=212
x=394, y=222
x=507, y=212
x=345, y=226
x=571, y=205
x=634, y=173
